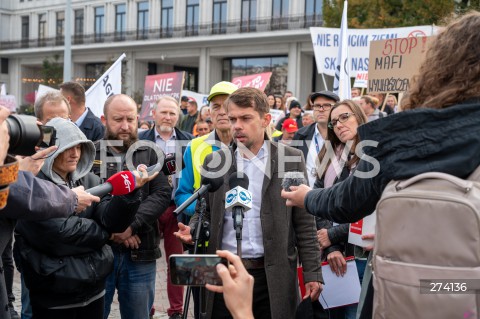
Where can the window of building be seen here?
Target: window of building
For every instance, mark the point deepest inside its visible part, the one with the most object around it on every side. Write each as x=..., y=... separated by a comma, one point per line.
x=313, y=12
x=60, y=29
x=219, y=16
x=167, y=18
x=93, y=71
x=120, y=21
x=278, y=65
x=249, y=15
x=193, y=9
x=25, y=29
x=99, y=23
x=42, y=29
x=78, y=28
x=4, y=65
x=280, y=14
x=142, y=20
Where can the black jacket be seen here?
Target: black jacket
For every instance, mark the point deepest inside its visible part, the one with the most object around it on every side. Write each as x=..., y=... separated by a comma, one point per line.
x=49, y=249
x=156, y=197
x=278, y=127
x=304, y=134
x=418, y=141
x=92, y=127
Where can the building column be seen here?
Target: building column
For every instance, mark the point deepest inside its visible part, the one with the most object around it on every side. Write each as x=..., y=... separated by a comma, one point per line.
x=293, y=78
x=203, y=70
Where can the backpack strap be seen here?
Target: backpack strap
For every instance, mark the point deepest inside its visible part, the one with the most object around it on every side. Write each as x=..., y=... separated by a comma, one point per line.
x=475, y=175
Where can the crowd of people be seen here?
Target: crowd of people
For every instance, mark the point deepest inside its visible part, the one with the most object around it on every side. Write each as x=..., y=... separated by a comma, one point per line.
x=75, y=250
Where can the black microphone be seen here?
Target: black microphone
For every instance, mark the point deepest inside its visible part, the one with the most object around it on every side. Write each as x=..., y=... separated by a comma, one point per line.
x=169, y=166
x=240, y=200
x=208, y=185
x=293, y=179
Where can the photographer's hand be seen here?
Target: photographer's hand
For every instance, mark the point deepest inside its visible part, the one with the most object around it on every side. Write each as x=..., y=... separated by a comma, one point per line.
x=4, y=137
x=35, y=162
x=296, y=196
x=84, y=199
x=237, y=286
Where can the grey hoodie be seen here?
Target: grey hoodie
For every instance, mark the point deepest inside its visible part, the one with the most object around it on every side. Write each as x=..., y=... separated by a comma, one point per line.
x=68, y=136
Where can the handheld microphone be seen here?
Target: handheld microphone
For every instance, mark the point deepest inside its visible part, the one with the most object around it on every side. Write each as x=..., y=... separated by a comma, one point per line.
x=240, y=200
x=208, y=185
x=120, y=183
x=169, y=166
x=293, y=179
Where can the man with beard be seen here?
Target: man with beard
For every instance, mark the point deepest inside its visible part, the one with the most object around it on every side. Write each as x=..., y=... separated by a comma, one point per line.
x=166, y=137
x=136, y=249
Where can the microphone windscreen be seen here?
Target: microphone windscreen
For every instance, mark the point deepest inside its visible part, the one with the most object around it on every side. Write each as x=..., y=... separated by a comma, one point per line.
x=213, y=183
x=122, y=183
x=234, y=180
x=293, y=179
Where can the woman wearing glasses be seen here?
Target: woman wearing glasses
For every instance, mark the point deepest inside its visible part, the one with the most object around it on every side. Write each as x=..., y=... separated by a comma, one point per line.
x=344, y=119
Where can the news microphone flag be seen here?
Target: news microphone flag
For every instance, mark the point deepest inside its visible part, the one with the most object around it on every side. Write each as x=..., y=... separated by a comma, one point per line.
x=120, y=183
x=238, y=197
x=341, y=84
x=108, y=84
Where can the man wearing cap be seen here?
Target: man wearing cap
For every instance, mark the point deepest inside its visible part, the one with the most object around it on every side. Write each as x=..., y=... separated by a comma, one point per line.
x=310, y=139
x=199, y=148
x=289, y=128
x=295, y=114
x=188, y=121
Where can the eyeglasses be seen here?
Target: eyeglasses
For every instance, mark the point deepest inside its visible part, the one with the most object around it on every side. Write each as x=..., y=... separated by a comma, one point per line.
x=342, y=118
x=324, y=107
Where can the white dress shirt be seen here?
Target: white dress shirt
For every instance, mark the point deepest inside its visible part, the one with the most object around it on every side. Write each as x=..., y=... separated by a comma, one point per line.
x=252, y=235
x=315, y=147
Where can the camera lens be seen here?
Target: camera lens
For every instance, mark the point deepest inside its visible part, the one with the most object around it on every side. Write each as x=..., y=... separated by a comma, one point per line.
x=24, y=134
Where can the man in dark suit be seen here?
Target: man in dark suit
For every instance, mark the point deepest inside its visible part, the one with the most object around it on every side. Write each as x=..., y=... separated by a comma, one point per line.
x=310, y=139
x=274, y=236
x=81, y=115
x=166, y=137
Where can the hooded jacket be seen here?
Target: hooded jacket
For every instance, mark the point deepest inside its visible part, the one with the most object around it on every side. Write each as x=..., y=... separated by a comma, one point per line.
x=65, y=260
x=409, y=143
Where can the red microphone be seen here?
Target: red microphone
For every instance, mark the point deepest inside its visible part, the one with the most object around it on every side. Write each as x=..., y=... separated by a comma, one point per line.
x=120, y=183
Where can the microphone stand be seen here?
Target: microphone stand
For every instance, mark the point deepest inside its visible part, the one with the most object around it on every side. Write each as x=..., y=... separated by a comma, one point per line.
x=199, y=228
x=237, y=214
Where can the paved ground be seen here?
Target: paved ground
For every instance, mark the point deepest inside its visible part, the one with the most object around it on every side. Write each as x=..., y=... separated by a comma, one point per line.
x=161, y=300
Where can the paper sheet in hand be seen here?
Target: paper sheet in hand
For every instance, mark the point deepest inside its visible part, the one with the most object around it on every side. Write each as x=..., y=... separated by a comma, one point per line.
x=340, y=291
x=364, y=226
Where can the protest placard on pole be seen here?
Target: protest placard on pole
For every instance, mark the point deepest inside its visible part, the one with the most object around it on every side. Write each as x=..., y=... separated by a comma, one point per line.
x=9, y=101
x=158, y=85
x=108, y=84
x=393, y=62
x=258, y=81
x=200, y=98
x=361, y=80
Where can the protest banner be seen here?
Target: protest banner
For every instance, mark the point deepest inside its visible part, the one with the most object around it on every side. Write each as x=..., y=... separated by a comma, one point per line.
x=393, y=62
x=108, y=84
x=258, y=81
x=9, y=101
x=326, y=42
x=158, y=85
x=200, y=98
x=361, y=80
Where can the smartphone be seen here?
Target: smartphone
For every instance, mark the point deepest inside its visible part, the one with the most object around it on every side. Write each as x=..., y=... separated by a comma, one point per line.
x=195, y=270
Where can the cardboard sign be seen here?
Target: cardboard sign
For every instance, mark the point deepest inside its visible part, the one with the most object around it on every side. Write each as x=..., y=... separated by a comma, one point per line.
x=200, y=98
x=9, y=101
x=156, y=86
x=277, y=115
x=258, y=81
x=393, y=62
x=361, y=80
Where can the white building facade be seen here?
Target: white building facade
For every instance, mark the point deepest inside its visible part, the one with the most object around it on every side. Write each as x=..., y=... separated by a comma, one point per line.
x=211, y=40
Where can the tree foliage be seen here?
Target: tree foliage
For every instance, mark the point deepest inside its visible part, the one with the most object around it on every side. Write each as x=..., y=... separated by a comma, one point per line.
x=371, y=14
x=52, y=72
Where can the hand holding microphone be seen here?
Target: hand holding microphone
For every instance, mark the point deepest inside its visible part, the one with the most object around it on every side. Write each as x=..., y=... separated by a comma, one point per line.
x=294, y=189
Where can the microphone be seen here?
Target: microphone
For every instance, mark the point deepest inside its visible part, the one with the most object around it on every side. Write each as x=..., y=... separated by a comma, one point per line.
x=240, y=200
x=120, y=183
x=208, y=185
x=169, y=166
x=293, y=179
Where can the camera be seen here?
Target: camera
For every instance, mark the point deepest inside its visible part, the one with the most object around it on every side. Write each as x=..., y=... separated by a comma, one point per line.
x=195, y=270
x=26, y=135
